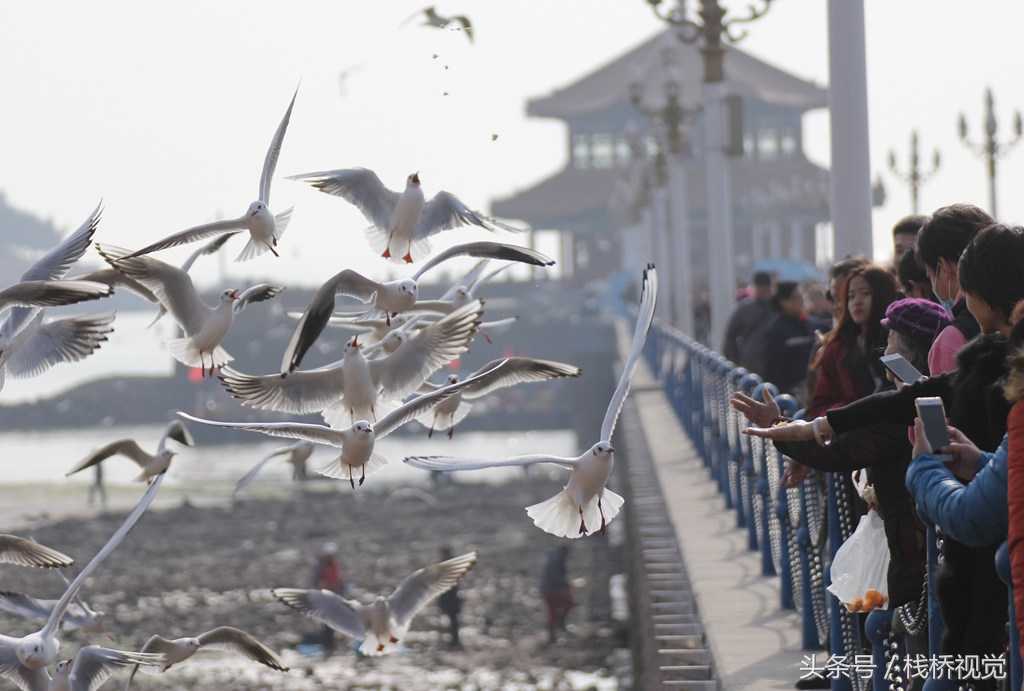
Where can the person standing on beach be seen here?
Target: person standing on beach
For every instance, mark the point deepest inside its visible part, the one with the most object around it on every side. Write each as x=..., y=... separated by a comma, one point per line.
x=554, y=586
x=97, y=487
x=327, y=576
x=451, y=604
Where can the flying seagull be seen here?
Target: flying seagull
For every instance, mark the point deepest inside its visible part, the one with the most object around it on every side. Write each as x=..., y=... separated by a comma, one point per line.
x=382, y=623
x=265, y=229
x=356, y=443
x=585, y=502
x=401, y=221
x=150, y=464
x=389, y=298
x=24, y=660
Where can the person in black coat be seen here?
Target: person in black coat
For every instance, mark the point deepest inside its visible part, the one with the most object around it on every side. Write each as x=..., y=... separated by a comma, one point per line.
x=788, y=339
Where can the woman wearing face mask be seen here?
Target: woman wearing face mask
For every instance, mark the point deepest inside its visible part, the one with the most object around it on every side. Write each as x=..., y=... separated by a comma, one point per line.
x=940, y=242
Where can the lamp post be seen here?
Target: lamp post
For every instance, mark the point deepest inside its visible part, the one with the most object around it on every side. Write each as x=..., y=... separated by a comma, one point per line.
x=709, y=28
x=672, y=123
x=990, y=148
x=914, y=177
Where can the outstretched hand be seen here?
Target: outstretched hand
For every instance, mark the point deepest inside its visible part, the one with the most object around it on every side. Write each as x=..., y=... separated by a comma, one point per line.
x=797, y=430
x=760, y=414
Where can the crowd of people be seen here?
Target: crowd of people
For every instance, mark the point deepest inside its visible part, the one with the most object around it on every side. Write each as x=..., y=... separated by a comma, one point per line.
x=952, y=304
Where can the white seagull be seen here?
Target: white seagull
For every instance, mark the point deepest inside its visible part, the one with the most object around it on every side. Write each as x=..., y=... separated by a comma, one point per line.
x=265, y=229
x=517, y=370
x=585, y=503
x=221, y=638
x=24, y=660
x=356, y=443
x=352, y=388
x=403, y=221
x=388, y=298
x=204, y=326
x=28, y=346
x=92, y=666
x=432, y=18
x=77, y=616
x=297, y=454
x=25, y=552
x=382, y=623
x=150, y=464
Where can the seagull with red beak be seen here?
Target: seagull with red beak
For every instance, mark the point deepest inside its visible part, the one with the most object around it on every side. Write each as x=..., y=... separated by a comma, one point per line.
x=204, y=326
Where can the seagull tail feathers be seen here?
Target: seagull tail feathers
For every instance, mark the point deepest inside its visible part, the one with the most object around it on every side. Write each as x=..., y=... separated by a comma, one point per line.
x=185, y=352
x=560, y=515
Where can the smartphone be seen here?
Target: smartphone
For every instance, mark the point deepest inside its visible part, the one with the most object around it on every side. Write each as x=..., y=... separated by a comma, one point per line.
x=933, y=415
x=901, y=367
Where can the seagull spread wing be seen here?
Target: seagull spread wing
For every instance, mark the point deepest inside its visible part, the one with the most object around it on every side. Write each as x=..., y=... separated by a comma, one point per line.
x=415, y=407
x=41, y=345
x=358, y=186
x=449, y=463
x=318, y=434
x=177, y=431
x=238, y=641
x=122, y=447
x=301, y=392
x=274, y=152
x=402, y=372
x=257, y=293
x=645, y=315
x=193, y=234
x=24, y=552
x=172, y=286
x=323, y=605
x=52, y=266
x=112, y=543
x=94, y=665
x=446, y=211
x=28, y=294
x=425, y=584
x=212, y=247
x=486, y=249
x=318, y=313
x=517, y=370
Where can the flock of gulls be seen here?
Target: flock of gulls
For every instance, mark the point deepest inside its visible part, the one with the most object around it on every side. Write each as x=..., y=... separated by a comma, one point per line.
x=401, y=341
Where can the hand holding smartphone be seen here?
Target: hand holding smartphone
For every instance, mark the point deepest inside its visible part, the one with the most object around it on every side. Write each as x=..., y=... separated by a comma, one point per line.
x=933, y=416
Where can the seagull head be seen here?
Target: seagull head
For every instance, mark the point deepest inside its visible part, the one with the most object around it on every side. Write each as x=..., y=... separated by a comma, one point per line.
x=414, y=179
x=363, y=427
x=229, y=295
x=256, y=207
x=64, y=668
x=452, y=379
x=602, y=448
x=408, y=286
x=35, y=652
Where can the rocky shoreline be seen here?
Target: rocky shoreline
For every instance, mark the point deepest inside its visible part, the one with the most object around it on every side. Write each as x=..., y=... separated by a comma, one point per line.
x=187, y=569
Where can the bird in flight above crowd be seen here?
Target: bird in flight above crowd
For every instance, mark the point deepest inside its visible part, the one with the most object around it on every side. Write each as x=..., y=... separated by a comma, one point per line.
x=586, y=503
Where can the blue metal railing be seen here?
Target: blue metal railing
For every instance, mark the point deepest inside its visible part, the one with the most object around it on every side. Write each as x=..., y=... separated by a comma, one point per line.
x=792, y=528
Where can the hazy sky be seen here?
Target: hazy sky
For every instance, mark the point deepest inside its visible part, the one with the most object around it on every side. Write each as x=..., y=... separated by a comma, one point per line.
x=166, y=111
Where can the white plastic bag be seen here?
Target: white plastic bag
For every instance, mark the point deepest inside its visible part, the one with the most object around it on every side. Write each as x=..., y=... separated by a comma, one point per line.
x=860, y=569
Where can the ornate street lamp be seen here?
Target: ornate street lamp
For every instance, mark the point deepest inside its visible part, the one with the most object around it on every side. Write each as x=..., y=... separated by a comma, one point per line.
x=914, y=177
x=990, y=149
x=672, y=123
x=709, y=27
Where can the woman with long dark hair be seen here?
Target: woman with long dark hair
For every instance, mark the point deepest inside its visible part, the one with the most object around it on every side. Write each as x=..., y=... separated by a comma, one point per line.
x=848, y=367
